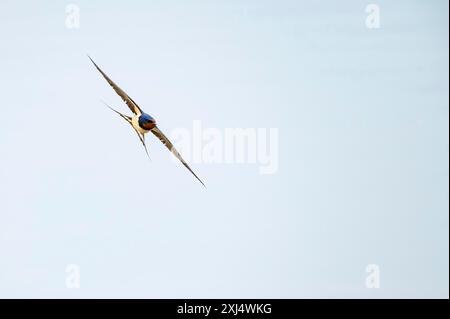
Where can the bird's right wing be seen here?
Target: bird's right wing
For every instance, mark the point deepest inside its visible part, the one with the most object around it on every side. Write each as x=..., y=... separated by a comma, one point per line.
x=128, y=100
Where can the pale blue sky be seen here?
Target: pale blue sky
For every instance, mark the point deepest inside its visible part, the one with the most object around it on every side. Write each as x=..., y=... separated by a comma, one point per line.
x=364, y=151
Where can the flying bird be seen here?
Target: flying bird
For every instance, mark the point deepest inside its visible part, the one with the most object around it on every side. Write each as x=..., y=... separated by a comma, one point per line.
x=141, y=122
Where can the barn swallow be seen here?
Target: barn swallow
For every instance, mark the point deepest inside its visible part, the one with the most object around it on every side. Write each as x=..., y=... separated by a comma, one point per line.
x=141, y=122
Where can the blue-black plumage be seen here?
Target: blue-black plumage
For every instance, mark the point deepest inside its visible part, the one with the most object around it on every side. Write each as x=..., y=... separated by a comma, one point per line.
x=146, y=121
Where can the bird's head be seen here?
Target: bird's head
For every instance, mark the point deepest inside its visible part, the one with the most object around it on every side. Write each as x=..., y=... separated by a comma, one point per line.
x=146, y=121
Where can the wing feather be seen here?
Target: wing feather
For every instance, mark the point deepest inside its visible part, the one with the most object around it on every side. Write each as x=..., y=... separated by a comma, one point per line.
x=128, y=100
x=160, y=135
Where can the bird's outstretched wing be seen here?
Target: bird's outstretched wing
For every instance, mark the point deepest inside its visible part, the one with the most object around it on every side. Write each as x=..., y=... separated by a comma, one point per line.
x=128, y=100
x=160, y=135
x=128, y=119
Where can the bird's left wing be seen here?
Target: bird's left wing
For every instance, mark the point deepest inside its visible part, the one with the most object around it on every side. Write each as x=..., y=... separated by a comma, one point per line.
x=160, y=135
